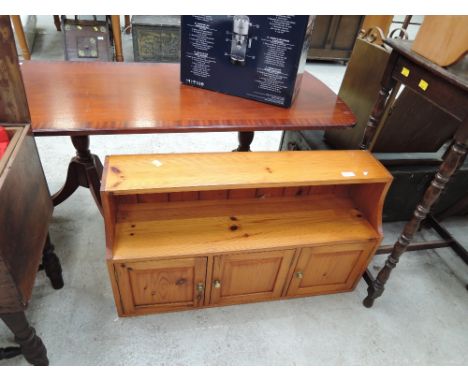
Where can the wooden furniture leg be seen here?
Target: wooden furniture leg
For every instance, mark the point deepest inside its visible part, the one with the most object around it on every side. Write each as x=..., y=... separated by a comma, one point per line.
x=451, y=162
x=128, y=25
x=245, y=140
x=84, y=170
x=31, y=345
x=388, y=84
x=10, y=352
x=117, y=38
x=460, y=206
x=58, y=24
x=51, y=265
x=19, y=31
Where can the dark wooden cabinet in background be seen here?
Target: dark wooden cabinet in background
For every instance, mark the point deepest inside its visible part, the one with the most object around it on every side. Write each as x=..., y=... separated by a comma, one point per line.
x=333, y=37
x=409, y=180
x=156, y=38
x=87, y=40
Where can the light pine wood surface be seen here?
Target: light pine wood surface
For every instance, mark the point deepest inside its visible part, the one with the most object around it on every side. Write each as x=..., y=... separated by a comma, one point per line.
x=206, y=228
x=185, y=231
x=152, y=173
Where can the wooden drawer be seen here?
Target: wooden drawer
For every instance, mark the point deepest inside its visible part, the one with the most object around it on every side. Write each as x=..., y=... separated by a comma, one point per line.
x=25, y=212
x=160, y=285
x=247, y=277
x=330, y=268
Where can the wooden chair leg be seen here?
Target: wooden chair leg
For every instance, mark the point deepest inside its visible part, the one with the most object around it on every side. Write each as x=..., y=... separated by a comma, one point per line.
x=128, y=25
x=117, y=38
x=19, y=31
x=58, y=24
x=32, y=347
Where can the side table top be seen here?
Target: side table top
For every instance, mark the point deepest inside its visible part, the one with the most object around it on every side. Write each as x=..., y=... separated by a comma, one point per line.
x=404, y=48
x=90, y=98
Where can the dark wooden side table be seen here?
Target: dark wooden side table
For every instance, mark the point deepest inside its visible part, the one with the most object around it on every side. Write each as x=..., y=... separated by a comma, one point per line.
x=80, y=99
x=25, y=210
x=450, y=93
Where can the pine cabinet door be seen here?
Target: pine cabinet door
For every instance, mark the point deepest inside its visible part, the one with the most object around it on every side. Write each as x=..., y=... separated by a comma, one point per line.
x=248, y=277
x=161, y=285
x=327, y=269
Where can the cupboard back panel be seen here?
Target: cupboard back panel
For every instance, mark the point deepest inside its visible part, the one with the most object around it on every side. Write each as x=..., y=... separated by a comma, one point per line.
x=247, y=193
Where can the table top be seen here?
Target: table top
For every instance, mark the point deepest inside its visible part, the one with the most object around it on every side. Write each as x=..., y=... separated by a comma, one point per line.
x=90, y=98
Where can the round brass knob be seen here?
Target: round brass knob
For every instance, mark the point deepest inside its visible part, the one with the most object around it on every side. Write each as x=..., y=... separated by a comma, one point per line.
x=217, y=284
x=299, y=275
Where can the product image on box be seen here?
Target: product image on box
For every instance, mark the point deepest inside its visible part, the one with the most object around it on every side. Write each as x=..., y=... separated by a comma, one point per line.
x=240, y=38
x=256, y=57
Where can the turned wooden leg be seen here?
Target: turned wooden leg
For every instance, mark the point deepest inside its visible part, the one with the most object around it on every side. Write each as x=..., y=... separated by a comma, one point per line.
x=375, y=117
x=51, y=265
x=31, y=345
x=457, y=207
x=19, y=31
x=387, y=85
x=245, y=140
x=117, y=38
x=85, y=170
x=456, y=153
x=58, y=24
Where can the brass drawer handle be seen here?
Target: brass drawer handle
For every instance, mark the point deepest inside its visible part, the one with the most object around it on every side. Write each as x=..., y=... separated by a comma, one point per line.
x=200, y=287
x=299, y=275
x=217, y=284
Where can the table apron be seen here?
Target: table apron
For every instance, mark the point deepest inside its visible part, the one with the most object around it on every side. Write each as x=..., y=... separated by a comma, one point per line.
x=449, y=98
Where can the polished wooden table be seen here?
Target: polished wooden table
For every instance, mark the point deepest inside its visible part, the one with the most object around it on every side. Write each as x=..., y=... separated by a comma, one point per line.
x=449, y=92
x=80, y=99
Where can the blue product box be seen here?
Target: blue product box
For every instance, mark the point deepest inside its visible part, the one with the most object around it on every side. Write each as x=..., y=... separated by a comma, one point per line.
x=256, y=57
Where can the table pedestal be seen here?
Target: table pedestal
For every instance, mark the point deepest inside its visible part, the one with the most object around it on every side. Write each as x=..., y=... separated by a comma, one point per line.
x=85, y=170
x=245, y=140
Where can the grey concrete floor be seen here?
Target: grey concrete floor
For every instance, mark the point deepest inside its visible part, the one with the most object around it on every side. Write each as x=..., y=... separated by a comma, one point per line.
x=421, y=319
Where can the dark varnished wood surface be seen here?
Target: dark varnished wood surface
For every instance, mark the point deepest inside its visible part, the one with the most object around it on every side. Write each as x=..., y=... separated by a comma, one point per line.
x=404, y=48
x=76, y=98
x=13, y=104
x=25, y=212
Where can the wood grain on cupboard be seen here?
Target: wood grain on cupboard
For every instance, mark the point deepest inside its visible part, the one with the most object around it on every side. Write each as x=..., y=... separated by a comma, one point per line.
x=217, y=229
x=240, y=227
x=220, y=171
